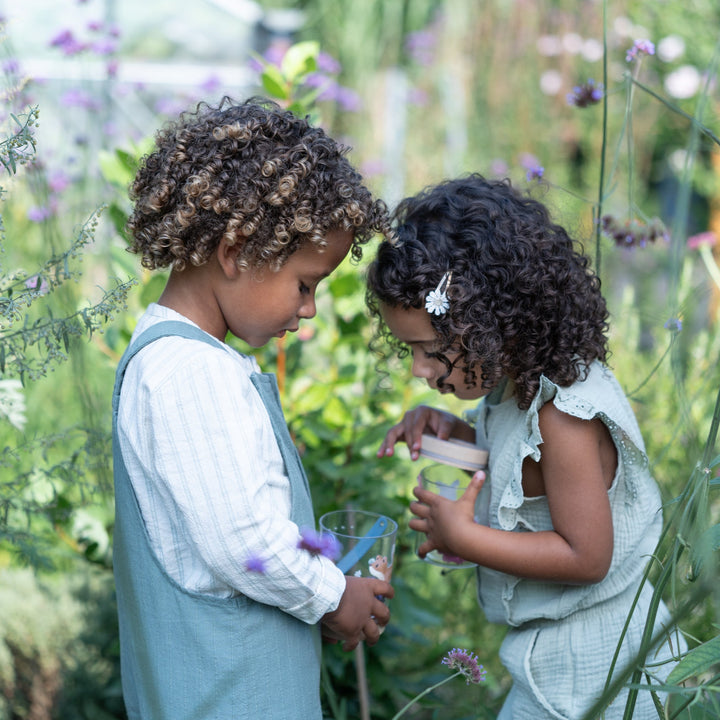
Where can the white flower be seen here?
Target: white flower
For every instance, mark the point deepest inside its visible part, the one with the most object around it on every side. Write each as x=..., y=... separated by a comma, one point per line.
x=12, y=403
x=437, y=302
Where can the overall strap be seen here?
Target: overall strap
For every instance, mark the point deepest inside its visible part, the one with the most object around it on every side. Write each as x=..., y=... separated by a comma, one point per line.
x=266, y=385
x=159, y=330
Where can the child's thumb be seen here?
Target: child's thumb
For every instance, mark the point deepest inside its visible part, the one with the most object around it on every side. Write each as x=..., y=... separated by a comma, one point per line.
x=473, y=489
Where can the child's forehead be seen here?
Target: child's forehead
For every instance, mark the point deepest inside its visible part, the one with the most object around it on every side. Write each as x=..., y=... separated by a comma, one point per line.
x=411, y=326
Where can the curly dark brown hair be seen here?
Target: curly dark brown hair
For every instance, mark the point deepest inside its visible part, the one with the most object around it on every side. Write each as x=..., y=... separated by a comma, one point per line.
x=523, y=300
x=254, y=174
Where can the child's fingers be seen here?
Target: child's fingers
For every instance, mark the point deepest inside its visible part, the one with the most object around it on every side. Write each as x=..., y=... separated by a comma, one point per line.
x=424, y=496
x=473, y=489
x=424, y=549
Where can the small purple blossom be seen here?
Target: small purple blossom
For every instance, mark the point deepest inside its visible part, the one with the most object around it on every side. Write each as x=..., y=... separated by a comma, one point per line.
x=535, y=170
x=11, y=66
x=466, y=663
x=211, y=85
x=673, y=325
x=535, y=173
x=256, y=564
x=38, y=284
x=68, y=43
x=633, y=233
x=77, y=97
x=421, y=45
x=640, y=48
x=104, y=46
x=38, y=214
x=589, y=93
x=328, y=64
x=58, y=181
x=319, y=543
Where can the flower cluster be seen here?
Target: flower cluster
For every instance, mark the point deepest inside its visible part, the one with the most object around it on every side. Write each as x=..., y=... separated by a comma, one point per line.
x=319, y=543
x=463, y=661
x=633, y=233
x=589, y=93
x=535, y=170
x=255, y=564
x=640, y=48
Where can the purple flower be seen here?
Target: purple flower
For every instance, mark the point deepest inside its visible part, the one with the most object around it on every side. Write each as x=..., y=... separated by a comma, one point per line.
x=633, y=233
x=535, y=170
x=211, y=85
x=105, y=46
x=673, y=325
x=76, y=97
x=328, y=64
x=640, y=48
x=37, y=283
x=535, y=173
x=58, y=181
x=319, y=543
x=255, y=564
x=11, y=66
x=586, y=94
x=39, y=214
x=68, y=43
x=466, y=663
x=420, y=46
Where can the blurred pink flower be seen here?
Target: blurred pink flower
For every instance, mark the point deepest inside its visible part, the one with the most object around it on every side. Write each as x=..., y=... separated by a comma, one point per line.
x=704, y=238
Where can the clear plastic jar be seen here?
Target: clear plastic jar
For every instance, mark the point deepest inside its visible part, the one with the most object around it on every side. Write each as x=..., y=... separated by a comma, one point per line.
x=455, y=463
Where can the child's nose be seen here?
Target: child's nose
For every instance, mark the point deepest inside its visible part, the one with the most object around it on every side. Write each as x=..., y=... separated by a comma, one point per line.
x=308, y=309
x=421, y=368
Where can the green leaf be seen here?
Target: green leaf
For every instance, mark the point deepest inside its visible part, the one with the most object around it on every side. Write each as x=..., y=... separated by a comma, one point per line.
x=708, y=543
x=696, y=662
x=274, y=83
x=300, y=59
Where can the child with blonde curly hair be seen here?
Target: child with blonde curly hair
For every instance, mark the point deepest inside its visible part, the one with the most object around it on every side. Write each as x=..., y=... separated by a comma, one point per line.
x=220, y=603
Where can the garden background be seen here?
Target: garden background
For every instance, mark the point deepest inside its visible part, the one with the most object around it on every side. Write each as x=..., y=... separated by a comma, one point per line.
x=620, y=139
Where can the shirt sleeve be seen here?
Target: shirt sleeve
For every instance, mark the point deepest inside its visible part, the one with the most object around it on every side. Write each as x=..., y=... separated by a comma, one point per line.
x=214, y=467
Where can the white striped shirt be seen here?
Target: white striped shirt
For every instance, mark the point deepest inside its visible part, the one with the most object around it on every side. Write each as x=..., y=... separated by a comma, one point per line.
x=209, y=478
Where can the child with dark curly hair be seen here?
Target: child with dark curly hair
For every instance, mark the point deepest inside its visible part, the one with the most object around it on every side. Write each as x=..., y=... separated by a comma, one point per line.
x=493, y=301
x=219, y=600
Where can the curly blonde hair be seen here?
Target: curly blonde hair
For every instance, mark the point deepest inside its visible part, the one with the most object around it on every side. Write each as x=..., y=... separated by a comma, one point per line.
x=250, y=173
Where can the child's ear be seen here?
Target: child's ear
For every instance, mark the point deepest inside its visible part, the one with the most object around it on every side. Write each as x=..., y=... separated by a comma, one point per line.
x=227, y=256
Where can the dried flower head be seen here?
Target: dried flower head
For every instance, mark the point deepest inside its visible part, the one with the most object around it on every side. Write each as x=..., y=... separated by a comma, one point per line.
x=255, y=563
x=633, y=233
x=319, y=543
x=640, y=48
x=589, y=93
x=466, y=663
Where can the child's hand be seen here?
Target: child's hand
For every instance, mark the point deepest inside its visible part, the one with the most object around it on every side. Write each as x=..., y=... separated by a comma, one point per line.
x=414, y=423
x=445, y=522
x=360, y=613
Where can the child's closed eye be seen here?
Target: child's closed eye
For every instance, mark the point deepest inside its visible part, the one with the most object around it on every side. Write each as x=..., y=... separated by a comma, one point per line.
x=304, y=289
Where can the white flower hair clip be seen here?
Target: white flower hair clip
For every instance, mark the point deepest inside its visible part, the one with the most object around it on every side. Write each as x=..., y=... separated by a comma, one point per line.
x=436, y=302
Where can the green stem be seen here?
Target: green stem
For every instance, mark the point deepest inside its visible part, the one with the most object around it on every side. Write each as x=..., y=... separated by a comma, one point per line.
x=424, y=693
x=671, y=106
x=601, y=180
x=710, y=264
